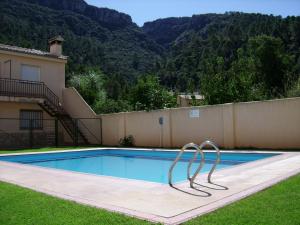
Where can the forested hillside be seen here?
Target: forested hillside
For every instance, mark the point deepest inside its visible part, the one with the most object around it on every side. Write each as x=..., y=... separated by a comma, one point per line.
x=94, y=37
x=119, y=66
x=199, y=40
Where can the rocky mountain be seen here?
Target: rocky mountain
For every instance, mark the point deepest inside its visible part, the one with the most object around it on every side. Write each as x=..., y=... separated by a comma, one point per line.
x=94, y=37
x=176, y=49
x=166, y=31
x=103, y=16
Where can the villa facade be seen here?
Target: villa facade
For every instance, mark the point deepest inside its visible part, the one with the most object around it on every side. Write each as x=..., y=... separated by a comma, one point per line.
x=33, y=97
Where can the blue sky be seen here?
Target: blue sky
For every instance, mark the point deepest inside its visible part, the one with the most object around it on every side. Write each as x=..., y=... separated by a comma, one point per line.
x=148, y=10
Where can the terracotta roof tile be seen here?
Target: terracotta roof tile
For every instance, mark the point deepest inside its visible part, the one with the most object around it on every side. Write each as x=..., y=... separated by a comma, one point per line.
x=30, y=51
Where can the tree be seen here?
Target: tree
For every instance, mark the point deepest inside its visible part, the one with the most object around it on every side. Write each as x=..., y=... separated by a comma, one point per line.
x=112, y=106
x=241, y=85
x=261, y=70
x=93, y=88
x=214, y=85
x=90, y=86
x=148, y=94
x=295, y=89
x=272, y=63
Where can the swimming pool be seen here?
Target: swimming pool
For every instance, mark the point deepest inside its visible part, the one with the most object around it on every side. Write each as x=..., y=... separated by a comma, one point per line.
x=146, y=165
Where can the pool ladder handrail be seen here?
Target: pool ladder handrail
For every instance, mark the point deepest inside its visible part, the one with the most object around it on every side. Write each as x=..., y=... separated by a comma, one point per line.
x=183, y=149
x=217, y=161
x=198, y=150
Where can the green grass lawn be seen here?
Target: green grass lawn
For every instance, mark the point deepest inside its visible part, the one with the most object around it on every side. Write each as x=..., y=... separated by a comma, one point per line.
x=277, y=205
x=21, y=206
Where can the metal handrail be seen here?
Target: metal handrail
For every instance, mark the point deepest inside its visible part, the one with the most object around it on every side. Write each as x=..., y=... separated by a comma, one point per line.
x=25, y=88
x=34, y=89
x=190, y=145
x=198, y=150
x=217, y=161
x=89, y=131
x=199, y=167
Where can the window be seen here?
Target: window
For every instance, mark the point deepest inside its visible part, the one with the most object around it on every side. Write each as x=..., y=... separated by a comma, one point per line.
x=31, y=73
x=30, y=118
x=7, y=68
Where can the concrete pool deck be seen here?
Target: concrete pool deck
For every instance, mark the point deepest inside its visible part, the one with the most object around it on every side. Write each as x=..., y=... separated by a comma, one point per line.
x=152, y=201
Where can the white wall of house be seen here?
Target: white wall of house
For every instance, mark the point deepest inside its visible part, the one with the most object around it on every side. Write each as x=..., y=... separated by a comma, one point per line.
x=47, y=70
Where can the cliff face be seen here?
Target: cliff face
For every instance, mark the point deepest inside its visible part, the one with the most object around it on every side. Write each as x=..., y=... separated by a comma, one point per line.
x=73, y=5
x=166, y=31
x=104, y=16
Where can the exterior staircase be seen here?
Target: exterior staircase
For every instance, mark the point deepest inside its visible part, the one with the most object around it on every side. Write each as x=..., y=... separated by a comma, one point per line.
x=70, y=125
x=50, y=103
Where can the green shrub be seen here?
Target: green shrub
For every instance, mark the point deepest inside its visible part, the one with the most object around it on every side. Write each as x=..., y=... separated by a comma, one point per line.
x=127, y=141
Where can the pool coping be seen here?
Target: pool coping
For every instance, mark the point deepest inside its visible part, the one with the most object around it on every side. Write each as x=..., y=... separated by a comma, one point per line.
x=145, y=149
x=182, y=217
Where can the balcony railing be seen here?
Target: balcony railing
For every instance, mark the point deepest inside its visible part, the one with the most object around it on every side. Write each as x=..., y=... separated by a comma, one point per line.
x=51, y=104
x=30, y=89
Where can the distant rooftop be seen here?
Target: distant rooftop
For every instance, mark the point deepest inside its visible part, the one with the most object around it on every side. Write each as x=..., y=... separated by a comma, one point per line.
x=57, y=38
x=30, y=51
x=191, y=96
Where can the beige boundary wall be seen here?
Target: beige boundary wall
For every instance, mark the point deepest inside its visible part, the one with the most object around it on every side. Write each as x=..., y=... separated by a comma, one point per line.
x=271, y=124
x=89, y=123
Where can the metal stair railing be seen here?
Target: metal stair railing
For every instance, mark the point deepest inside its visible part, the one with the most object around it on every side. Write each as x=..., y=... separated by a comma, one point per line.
x=217, y=161
x=89, y=131
x=51, y=104
x=30, y=89
x=199, y=149
x=184, y=148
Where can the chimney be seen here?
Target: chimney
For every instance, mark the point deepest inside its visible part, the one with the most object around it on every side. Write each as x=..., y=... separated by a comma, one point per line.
x=56, y=45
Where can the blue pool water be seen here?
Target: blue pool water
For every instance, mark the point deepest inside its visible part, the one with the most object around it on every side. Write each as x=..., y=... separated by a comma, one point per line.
x=132, y=164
